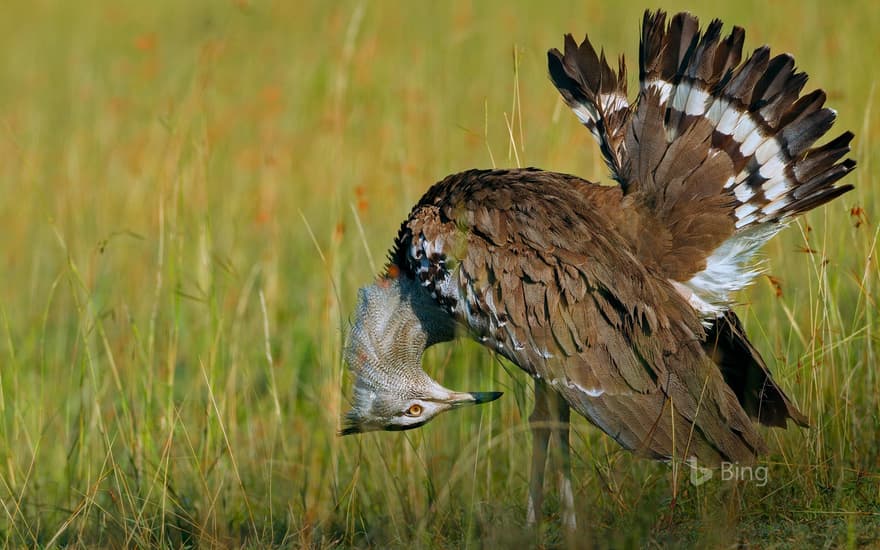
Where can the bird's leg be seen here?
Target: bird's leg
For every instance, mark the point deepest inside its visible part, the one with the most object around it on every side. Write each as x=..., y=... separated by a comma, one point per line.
x=561, y=413
x=539, y=422
x=551, y=416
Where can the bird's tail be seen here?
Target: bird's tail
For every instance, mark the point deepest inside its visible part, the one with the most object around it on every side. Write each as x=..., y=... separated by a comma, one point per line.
x=718, y=153
x=745, y=372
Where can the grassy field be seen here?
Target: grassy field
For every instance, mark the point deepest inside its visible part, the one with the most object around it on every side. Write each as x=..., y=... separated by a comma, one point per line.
x=192, y=196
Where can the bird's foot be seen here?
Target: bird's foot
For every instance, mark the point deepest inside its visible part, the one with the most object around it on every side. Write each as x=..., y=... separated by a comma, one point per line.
x=531, y=516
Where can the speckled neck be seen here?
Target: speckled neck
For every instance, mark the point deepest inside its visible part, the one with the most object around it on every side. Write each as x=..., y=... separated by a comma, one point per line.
x=394, y=323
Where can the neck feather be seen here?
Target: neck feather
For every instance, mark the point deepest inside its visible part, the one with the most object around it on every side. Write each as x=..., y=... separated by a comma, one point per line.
x=395, y=321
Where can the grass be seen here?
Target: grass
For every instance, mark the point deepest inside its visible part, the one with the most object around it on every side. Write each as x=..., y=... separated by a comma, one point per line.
x=193, y=192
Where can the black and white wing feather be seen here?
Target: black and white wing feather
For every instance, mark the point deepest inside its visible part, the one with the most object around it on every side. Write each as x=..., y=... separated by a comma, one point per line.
x=596, y=94
x=716, y=153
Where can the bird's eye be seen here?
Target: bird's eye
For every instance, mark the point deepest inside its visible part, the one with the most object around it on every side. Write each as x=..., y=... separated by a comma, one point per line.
x=414, y=410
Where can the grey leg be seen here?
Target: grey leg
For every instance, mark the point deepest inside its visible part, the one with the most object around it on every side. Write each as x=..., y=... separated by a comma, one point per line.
x=561, y=434
x=540, y=425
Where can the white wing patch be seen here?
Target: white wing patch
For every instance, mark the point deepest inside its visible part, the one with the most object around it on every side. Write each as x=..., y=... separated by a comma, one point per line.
x=728, y=270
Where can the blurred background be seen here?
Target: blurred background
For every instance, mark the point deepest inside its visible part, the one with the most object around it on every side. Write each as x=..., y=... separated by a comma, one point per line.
x=194, y=191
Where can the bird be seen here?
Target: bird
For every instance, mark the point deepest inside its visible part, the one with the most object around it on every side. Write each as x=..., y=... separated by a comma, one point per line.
x=617, y=299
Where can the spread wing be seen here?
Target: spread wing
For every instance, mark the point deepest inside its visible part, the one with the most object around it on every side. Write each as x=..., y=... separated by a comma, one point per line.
x=720, y=152
x=533, y=264
x=713, y=155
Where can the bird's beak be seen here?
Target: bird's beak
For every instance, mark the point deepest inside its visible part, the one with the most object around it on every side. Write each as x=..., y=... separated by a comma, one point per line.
x=461, y=399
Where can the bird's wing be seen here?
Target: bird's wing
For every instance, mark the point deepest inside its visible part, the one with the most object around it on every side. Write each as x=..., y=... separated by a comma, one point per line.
x=719, y=153
x=597, y=95
x=714, y=155
x=532, y=264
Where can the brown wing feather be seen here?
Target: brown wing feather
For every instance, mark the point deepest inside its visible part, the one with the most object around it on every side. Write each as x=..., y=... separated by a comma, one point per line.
x=681, y=191
x=566, y=299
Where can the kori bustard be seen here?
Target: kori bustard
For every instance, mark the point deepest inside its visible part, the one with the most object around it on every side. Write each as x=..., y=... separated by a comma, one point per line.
x=615, y=299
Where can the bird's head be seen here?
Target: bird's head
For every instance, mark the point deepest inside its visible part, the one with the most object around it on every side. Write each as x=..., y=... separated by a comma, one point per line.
x=385, y=410
x=395, y=321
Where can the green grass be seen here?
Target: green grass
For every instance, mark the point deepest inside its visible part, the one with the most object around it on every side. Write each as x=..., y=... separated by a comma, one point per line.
x=192, y=196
